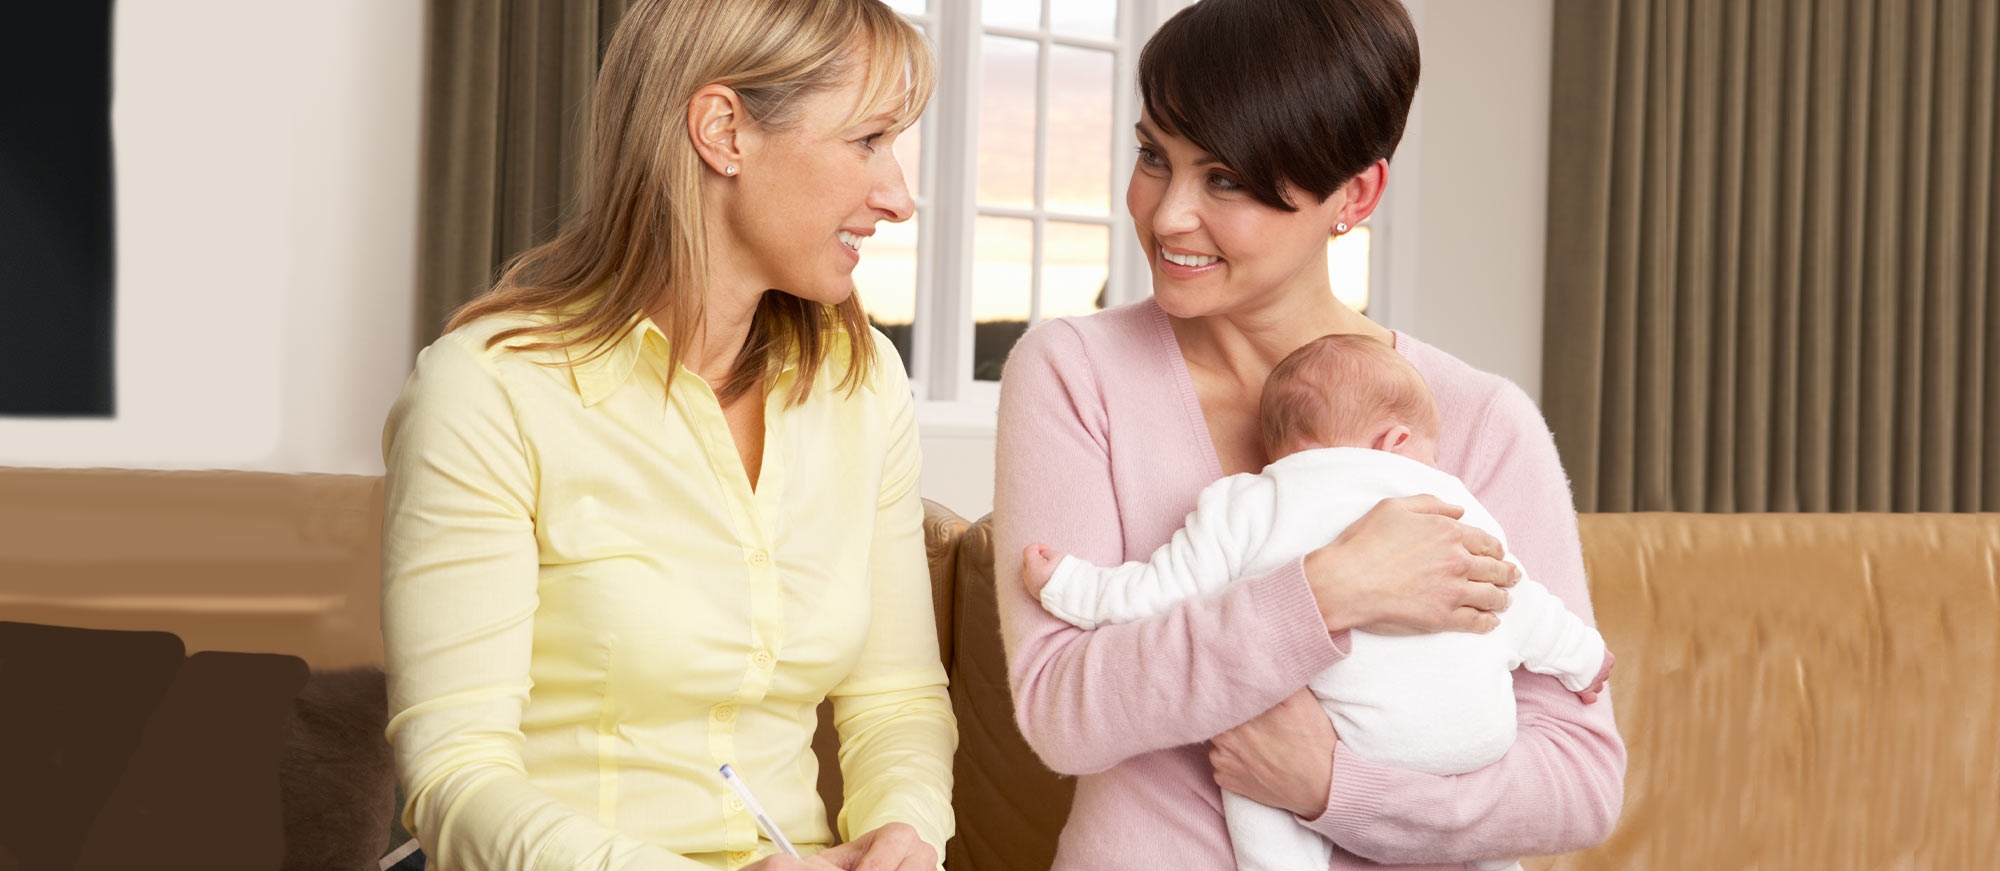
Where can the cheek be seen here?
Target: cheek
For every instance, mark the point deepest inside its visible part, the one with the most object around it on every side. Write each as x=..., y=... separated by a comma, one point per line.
x=1142, y=196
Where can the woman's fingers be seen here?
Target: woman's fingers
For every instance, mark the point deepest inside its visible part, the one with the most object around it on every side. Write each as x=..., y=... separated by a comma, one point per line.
x=1425, y=503
x=1486, y=597
x=1479, y=542
x=1469, y=619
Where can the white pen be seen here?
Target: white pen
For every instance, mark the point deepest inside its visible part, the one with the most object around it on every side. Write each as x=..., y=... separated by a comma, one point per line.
x=757, y=811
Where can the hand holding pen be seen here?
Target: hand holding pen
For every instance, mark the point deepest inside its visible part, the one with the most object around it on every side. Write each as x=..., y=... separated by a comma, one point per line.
x=893, y=847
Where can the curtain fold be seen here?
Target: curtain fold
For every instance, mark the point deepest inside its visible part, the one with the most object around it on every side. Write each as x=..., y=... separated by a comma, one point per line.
x=1772, y=251
x=507, y=109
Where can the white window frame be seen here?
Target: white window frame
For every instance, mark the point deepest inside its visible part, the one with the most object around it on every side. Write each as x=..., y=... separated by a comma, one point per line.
x=949, y=401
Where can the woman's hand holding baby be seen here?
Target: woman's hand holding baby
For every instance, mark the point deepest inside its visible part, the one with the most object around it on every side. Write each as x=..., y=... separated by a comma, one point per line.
x=1407, y=566
x=1283, y=758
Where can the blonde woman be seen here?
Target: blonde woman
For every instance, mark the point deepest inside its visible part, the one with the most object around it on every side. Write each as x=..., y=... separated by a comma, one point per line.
x=653, y=498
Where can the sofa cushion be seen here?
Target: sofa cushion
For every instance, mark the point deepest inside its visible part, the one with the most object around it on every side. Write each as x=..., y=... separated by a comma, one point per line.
x=205, y=773
x=337, y=773
x=77, y=701
x=1801, y=691
x=1010, y=807
x=118, y=752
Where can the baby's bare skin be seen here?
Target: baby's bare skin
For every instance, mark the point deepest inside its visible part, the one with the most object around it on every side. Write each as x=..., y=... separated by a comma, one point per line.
x=1038, y=566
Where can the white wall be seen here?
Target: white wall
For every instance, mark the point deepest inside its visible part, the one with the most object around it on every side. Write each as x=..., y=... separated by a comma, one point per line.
x=1470, y=281
x=266, y=173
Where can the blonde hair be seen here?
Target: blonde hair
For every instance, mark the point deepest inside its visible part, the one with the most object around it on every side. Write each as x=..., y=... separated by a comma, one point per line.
x=637, y=232
x=1336, y=390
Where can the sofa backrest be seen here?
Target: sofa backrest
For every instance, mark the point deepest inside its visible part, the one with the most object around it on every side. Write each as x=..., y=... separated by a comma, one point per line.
x=1795, y=691
x=237, y=561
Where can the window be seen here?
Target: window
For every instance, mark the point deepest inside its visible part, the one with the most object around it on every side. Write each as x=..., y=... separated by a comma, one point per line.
x=1018, y=175
x=1018, y=171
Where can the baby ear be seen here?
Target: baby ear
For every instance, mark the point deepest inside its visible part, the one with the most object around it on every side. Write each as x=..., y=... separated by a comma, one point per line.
x=1394, y=439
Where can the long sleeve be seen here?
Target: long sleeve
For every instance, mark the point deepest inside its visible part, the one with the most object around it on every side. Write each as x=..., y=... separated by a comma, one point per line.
x=1560, y=786
x=1230, y=521
x=1086, y=701
x=897, y=731
x=459, y=597
x=1550, y=640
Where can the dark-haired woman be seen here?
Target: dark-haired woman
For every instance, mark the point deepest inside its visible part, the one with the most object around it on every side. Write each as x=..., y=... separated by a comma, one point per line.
x=1267, y=126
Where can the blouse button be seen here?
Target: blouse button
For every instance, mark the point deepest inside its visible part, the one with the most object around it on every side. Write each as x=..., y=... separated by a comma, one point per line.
x=740, y=858
x=760, y=558
x=761, y=658
x=736, y=804
x=725, y=713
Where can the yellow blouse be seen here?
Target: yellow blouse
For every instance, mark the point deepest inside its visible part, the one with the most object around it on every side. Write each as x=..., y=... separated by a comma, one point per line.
x=587, y=610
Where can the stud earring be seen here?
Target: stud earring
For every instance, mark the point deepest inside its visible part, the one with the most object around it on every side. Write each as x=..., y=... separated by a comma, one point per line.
x=729, y=170
x=1340, y=228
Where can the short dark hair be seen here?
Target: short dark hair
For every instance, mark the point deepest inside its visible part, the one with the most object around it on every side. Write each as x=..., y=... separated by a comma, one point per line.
x=1301, y=92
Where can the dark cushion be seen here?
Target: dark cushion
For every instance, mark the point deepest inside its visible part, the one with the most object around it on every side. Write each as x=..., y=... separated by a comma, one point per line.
x=337, y=773
x=119, y=752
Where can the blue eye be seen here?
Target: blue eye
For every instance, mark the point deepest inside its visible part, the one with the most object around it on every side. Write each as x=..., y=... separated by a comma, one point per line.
x=1223, y=182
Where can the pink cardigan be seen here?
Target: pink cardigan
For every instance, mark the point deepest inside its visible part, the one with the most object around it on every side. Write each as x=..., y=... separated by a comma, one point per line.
x=1102, y=450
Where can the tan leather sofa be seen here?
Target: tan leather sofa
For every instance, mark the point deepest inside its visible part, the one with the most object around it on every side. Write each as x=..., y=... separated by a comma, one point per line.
x=1809, y=692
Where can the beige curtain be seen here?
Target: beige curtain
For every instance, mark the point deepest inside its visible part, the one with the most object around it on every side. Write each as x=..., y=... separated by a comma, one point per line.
x=1774, y=240
x=507, y=101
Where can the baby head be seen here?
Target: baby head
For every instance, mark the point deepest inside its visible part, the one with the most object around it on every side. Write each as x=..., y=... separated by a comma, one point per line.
x=1348, y=391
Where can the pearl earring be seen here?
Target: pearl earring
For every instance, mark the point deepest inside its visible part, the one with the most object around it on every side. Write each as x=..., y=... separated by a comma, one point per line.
x=1339, y=228
x=729, y=170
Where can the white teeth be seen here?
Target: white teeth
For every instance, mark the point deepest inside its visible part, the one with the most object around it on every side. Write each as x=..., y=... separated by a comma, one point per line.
x=1194, y=260
x=851, y=240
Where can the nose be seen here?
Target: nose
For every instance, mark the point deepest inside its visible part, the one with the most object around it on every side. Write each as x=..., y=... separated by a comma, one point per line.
x=891, y=194
x=1179, y=209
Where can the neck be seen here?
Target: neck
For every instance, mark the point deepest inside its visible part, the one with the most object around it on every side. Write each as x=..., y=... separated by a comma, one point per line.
x=1248, y=343
x=730, y=295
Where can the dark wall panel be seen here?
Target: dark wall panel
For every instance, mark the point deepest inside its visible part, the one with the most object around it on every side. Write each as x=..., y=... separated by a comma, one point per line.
x=56, y=247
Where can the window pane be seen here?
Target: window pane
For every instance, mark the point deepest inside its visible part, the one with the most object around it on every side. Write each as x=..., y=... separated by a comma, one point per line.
x=1347, y=265
x=1024, y=14
x=912, y=6
x=886, y=279
x=1080, y=114
x=1002, y=260
x=1096, y=19
x=1007, y=123
x=1075, y=268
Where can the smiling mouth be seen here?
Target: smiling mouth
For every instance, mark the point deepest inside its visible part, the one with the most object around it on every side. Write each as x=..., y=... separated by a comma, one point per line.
x=851, y=240
x=1191, y=260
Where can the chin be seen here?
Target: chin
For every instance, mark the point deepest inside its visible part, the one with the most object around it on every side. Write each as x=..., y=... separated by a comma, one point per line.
x=834, y=295
x=1181, y=301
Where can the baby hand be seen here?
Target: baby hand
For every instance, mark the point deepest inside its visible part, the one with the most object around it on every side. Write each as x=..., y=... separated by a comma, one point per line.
x=1038, y=565
x=1589, y=694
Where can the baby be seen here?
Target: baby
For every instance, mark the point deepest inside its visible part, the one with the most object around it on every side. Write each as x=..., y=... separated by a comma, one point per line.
x=1348, y=423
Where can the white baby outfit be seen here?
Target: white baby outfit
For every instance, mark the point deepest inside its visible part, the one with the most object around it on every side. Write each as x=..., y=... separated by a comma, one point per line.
x=1441, y=703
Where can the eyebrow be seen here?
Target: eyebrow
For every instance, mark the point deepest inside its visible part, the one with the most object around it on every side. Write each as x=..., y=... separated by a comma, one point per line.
x=1206, y=159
